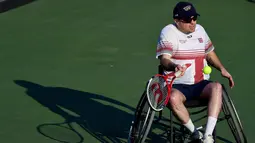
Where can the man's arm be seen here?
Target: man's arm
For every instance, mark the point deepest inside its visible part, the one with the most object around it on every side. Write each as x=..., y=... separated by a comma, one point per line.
x=165, y=61
x=168, y=65
x=213, y=60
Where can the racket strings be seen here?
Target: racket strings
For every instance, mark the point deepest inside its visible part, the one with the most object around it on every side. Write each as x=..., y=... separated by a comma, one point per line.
x=158, y=91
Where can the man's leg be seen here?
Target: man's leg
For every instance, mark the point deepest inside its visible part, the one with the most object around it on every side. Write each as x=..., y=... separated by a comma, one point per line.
x=213, y=92
x=177, y=100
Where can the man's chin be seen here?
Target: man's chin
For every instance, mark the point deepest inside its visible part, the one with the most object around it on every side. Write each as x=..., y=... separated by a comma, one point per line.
x=192, y=30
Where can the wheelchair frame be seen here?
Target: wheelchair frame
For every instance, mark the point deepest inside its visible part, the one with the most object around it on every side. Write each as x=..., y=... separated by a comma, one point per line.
x=144, y=117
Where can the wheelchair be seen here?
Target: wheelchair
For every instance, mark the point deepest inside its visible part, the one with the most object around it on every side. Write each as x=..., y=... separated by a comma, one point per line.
x=175, y=132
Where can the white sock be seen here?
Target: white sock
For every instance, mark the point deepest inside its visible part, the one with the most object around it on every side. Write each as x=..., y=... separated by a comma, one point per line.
x=211, y=122
x=190, y=126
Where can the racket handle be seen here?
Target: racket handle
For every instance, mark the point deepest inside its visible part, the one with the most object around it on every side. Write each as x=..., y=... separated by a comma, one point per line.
x=178, y=73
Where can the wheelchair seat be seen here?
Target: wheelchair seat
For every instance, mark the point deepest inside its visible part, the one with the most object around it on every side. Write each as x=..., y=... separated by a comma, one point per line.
x=196, y=103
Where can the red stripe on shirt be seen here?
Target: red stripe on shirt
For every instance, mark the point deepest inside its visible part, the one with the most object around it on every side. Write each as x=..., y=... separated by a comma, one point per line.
x=186, y=57
x=163, y=49
x=209, y=45
x=199, y=64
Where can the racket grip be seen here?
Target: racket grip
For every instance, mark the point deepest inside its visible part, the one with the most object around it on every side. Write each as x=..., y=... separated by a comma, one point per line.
x=178, y=73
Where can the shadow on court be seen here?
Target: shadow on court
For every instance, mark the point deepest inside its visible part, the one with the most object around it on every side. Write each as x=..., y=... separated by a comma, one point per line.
x=252, y=1
x=96, y=114
x=6, y=5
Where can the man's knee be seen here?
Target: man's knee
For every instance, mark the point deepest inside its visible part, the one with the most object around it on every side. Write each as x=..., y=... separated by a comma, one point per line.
x=213, y=87
x=216, y=86
x=176, y=97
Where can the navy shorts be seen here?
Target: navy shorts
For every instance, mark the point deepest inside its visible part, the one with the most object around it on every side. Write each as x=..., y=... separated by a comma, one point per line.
x=191, y=91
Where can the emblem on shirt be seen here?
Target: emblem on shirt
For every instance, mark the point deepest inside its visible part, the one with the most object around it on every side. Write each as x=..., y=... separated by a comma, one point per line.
x=190, y=36
x=200, y=40
x=182, y=41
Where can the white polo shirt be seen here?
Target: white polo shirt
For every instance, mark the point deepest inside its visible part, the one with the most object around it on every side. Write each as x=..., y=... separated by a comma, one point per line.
x=186, y=48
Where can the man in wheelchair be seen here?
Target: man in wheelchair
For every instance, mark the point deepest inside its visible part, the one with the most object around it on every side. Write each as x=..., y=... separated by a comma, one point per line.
x=185, y=41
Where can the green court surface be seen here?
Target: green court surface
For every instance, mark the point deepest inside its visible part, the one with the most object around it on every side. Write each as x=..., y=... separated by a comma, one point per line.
x=85, y=64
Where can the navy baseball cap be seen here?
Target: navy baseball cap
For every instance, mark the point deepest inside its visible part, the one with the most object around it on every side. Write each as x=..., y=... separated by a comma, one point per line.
x=184, y=10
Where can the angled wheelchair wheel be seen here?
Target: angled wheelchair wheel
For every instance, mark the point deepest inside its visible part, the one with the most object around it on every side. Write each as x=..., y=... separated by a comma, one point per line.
x=141, y=125
x=233, y=118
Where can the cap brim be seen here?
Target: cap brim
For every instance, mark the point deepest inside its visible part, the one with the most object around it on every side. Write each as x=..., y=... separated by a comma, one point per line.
x=186, y=16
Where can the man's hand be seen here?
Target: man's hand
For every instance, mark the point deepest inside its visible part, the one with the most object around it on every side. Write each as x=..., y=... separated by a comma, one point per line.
x=180, y=68
x=225, y=74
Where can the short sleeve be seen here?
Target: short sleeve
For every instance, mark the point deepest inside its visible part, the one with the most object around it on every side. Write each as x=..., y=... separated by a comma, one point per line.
x=208, y=44
x=166, y=43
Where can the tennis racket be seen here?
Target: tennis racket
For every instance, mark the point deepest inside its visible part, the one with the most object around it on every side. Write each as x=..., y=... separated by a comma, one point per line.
x=159, y=89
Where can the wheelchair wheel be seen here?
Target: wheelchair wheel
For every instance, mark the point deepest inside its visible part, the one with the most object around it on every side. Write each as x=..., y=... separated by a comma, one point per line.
x=141, y=125
x=232, y=118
